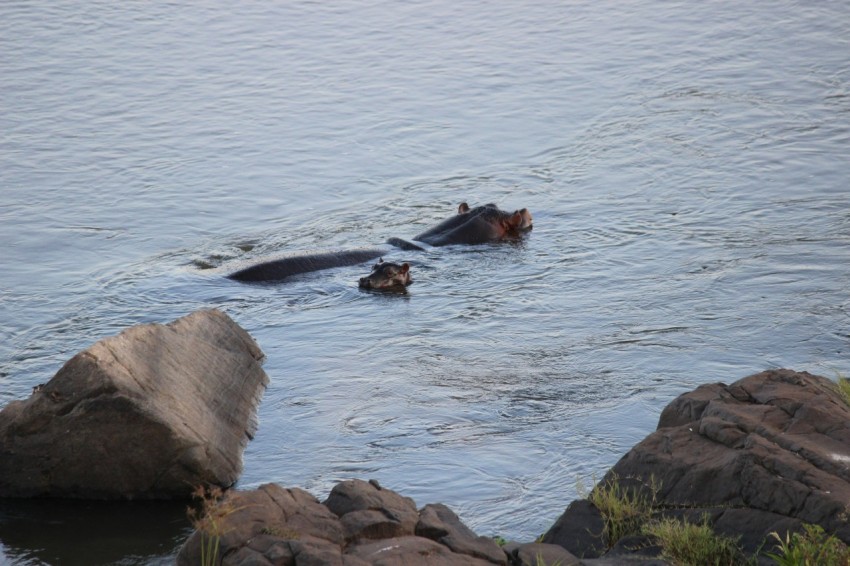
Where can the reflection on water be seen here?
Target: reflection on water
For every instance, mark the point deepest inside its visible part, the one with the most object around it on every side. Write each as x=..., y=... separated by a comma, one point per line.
x=685, y=165
x=89, y=533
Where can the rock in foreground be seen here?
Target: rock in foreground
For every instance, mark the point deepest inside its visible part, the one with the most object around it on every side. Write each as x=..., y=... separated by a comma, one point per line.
x=360, y=524
x=149, y=413
x=765, y=454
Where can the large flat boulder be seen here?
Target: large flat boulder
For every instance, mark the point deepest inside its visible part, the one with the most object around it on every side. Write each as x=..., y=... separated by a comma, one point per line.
x=149, y=413
x=767, y=453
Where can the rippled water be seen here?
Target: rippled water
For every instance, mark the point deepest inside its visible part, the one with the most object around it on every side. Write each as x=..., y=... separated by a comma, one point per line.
x=686, y=165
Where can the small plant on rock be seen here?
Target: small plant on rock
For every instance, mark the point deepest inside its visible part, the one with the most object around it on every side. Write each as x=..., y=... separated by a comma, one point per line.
x=207, y=519
x=812, y=547
x=280, y=531
x=540, y=561
x=844, y=387
x=623, y=510
x=689, y=544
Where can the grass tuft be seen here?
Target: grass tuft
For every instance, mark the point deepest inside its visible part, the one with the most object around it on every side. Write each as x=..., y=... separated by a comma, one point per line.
x=623, y=510
x=540, y=561
x=844, y=388
x=688, y=544
x=629, y=511
x=810, y=548
x=207, y=519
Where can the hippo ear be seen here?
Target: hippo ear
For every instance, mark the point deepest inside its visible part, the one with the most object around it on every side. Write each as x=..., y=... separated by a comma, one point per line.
x=463, y=208
x=515, y=221
x=405, y=267
x=527, y=220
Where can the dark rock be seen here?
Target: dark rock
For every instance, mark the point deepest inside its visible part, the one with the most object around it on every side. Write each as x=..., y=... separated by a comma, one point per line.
x=689, y=407
x=777, y=442
x=762, y=455
x=754, y=526
x=284, y=525
x=358, y=496
x=511, y=548
x=149, y=413
x=369, y=524
x=246, y=557
x=634, y=546
x=439, y=523
x=750, y=526
x=412, y=551
x=316, y=553
x=579, y=529
x=623, y=560
x=537, y=553
x=289, y=527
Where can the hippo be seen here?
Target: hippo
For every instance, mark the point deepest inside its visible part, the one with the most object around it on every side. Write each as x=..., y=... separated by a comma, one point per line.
x=387, y=276
x=470, y=226
x=477, y=226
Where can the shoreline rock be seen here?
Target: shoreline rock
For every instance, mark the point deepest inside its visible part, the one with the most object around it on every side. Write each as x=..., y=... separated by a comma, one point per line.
x=160, y=410
x=764, y=454
x=360, y=523
x=767, y=453
x=148, y=414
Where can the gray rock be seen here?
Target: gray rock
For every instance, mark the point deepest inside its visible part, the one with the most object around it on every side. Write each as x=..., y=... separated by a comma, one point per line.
x=149, y=413
x=412, y=551
x=439, y=523
x=358, y=496
x=285, y=526
x=246, y=557
x=537, y=553
x=289, y=527
x=369, y=524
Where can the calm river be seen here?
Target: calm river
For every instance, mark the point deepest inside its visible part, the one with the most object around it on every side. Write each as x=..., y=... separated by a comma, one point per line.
x=687, y=165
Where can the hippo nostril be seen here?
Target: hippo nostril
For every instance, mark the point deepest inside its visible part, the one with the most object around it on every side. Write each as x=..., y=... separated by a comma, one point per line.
x=364, y=282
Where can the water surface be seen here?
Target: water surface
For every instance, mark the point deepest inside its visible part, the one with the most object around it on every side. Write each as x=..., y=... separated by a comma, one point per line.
x=686, y=165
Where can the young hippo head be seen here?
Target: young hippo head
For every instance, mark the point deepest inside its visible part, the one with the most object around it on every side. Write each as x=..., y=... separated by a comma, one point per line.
x=387, y=276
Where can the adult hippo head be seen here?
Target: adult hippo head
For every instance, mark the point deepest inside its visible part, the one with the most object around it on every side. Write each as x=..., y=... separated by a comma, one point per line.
x=478, y=225
x=387, y=276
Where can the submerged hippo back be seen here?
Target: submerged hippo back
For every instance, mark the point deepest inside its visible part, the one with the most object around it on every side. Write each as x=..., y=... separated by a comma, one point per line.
x=277, y=269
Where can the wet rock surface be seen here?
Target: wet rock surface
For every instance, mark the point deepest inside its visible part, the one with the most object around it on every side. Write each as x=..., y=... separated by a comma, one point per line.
x=149, y=413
